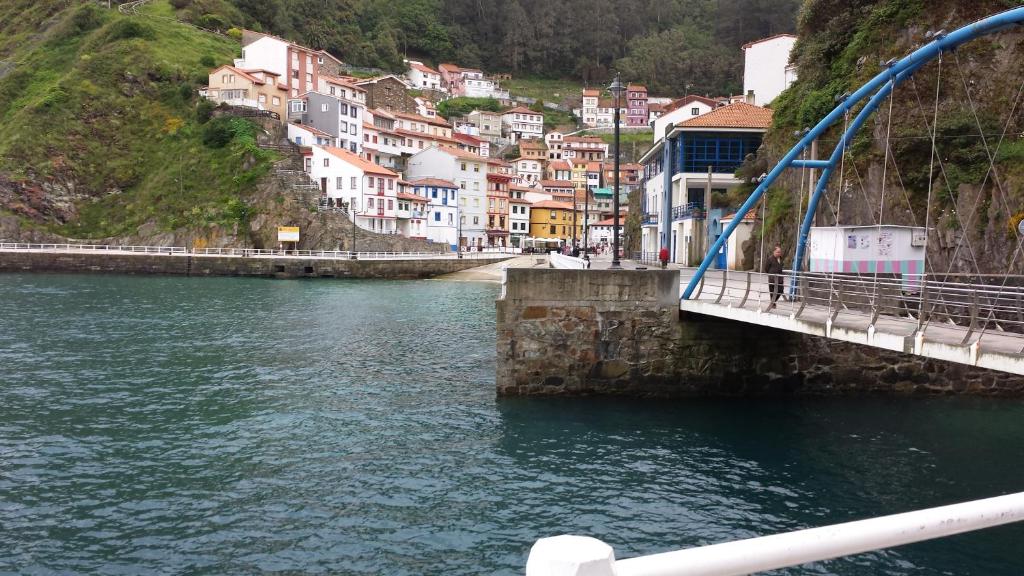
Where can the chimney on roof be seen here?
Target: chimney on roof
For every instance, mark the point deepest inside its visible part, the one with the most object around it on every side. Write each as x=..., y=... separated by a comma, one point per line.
x=751, y=99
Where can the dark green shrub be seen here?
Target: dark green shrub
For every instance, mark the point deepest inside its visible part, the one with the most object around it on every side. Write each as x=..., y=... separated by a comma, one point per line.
x=218, y=132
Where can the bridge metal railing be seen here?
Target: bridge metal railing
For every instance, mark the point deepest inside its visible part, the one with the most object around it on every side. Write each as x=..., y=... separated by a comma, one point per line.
x=583, y=556
x=920, y=302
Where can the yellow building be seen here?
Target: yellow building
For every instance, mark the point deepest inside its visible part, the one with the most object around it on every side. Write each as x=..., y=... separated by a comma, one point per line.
x=250, y=88
x=551, y=219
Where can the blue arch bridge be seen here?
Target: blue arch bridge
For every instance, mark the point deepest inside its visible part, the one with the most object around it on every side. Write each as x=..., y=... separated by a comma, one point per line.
x=893, y=297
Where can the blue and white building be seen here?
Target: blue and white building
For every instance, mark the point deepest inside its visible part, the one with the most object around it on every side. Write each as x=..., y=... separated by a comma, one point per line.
x=691, y=157
x=442, y=209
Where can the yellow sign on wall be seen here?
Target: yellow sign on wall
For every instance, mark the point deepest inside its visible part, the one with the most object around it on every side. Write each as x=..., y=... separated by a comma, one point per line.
x=287, y=233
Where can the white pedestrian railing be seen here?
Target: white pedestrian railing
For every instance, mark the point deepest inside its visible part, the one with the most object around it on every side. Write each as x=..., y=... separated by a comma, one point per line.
x=11, y=246
x=483, y=254
x=584, y=556
x=563, y=262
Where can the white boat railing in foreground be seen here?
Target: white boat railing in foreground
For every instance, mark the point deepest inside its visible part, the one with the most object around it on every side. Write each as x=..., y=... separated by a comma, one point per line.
x=563, y=262
x=584, y=556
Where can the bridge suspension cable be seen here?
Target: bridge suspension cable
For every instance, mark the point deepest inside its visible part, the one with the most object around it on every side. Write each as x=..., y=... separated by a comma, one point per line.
x=875, y=90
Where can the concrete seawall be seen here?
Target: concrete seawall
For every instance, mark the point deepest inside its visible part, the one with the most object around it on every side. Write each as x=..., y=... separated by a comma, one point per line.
x=604, y=332
x=189, y=265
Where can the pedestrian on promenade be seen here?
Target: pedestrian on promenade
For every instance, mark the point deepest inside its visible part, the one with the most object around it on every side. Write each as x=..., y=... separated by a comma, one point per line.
x=773, y=267
x=663, y=256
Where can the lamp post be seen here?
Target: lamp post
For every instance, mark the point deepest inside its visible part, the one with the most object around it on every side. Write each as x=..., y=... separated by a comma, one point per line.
x=352, y=208
x=586, y=226
x=617, y=89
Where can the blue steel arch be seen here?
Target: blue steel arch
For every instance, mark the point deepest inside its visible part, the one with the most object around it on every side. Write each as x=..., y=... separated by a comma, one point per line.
x=875, y=90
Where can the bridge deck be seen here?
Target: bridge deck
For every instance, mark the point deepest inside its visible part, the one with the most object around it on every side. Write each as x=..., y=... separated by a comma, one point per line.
x=940, y=339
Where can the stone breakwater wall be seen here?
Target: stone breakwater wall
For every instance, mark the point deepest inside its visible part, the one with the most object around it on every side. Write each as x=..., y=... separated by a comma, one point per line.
x=284, y=267
x=620, y=332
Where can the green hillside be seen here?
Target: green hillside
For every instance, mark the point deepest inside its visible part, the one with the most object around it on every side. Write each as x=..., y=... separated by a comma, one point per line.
x=100, y=113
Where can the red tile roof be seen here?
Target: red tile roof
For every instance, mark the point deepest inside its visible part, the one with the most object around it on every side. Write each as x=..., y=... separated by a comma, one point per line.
x=435, y=182
x=358, y=162
x=556, y=183
x=404, y=196
x=422, y=68
x=520, y=110
x=586, y=139
x=591, y=92
x=553, y=205
x=738, y=115
x=559, y=165
x=311, y=129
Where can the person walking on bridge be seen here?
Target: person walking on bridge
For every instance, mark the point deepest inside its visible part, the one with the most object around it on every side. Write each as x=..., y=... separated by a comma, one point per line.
x=773, y=267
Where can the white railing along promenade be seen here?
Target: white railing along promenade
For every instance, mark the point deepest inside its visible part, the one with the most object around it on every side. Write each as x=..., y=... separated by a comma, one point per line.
x=584, y=556
x=483, y=254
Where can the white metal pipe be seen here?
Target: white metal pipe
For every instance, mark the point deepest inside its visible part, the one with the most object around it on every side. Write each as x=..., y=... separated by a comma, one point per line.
x=817, y=544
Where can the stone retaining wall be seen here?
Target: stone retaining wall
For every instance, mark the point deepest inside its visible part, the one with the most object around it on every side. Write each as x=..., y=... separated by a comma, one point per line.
x=164, y=264
x=580, y=332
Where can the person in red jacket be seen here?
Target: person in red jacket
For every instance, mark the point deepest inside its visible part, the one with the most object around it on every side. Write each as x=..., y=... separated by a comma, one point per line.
x=663, y=256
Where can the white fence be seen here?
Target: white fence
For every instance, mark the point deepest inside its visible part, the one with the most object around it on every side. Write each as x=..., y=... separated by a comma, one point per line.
x=583, y=556
x=564, y=262
x=483, y=254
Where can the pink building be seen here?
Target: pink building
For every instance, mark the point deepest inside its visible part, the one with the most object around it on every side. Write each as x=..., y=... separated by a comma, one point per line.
x=636, y=110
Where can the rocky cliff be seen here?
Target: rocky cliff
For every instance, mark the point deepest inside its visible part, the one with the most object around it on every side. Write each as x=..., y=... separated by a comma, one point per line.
x=975, y=205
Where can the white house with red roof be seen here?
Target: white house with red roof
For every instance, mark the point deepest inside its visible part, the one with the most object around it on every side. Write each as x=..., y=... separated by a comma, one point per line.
x=306, y=135
x=521, y=122
x=412, y=212
x=423, y=77
x=681, y=110
x=601, y=232
x=368, y=191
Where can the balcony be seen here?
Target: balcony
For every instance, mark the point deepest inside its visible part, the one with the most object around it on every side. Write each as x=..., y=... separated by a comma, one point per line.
x=649, y=220
x=690, y=210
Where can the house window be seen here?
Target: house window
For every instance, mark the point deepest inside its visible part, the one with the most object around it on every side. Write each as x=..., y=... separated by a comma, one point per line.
x=331, y=90
x=552, y=230
x=295, y=74
x=391, y=184
x=553, y=215
x=275, y=101
x=433, y=192
x=327, y=162
x=391, y=204
x=369, y=181
x=340, y=183
x=463, y=165
x=353, y=112
x=369, y=203
x=343, y=109
x=695, y=111
x=476, y=220
x=354, y=182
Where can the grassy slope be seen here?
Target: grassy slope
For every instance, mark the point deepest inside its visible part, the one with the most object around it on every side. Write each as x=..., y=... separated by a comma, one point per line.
x=105, y=103
x=543, y=89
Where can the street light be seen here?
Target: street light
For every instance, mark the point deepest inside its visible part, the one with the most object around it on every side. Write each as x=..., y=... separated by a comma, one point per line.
x=352, y=208
x=617, y=89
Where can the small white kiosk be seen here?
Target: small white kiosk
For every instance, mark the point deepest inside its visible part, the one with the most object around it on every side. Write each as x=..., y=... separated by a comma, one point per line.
x=868, y=250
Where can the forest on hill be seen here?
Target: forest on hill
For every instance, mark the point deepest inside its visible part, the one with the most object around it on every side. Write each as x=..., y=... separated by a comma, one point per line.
x=673, y=46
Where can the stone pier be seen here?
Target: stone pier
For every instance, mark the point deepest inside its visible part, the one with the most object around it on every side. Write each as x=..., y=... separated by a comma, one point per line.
x=269, y=267
x=620, y=332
